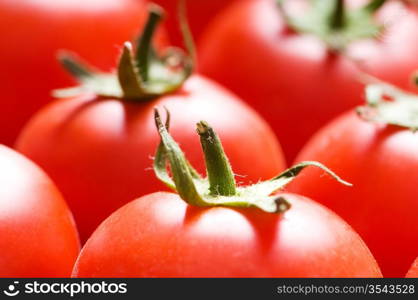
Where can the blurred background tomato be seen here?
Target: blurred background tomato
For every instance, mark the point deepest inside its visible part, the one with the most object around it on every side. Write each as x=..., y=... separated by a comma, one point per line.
x=38, y=234
x=33, y=31
x=199, y=14
x=294, y=80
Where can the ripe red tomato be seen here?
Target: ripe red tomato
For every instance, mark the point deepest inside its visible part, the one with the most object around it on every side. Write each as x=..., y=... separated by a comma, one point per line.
x=379, y=160
x=413, y=271
x=33, y=31
x=214, y=228
x=294, y=80
x=199, y=14
x=159, y=235
x=38, y=234
x=99, y=151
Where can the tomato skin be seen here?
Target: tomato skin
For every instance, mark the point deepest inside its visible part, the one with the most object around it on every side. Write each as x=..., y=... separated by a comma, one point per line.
x=381, y=206
x=38, y=234
x=159, y=235
x=293, y=80
x=413, y=271
x=36, y=30
x=199, y=14
x=99, y=151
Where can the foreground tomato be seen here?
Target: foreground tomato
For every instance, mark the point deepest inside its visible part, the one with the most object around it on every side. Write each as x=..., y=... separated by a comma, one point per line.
x=159, y=235
x=99, y=149
x=33, y=31
x=212, y=228
x=199, y=14
x=413, y=271
x=38, y=234
x=295, y=80
x=381, y=162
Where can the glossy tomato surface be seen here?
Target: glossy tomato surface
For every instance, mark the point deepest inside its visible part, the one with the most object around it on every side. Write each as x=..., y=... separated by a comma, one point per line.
x=413, y=271
x=159, y=235
x=37, y=230
x=199, y=15
x=99, y=151
x=33, y=31
x=292, y=79
x=380, y=161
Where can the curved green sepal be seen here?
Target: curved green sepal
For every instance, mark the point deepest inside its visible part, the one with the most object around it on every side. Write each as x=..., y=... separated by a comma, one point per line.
x=334, y=24
x=183, y=179
x=79, y=70
x=390, y=105
x=263, y=192
x=290, y=174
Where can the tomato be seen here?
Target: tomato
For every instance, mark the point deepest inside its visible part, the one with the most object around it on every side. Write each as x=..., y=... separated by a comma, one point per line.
x=159, y=235
x=294, y=80
x=213, y=227
x=199, y=14
x=380, y=161
x=413, y=271
x=33, y=32
x=38, y=234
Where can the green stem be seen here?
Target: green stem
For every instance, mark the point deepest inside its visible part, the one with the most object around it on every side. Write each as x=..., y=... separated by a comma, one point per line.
x=337, y=18
x=187, y=36
x=373, y=5
x=219, y=171
x=73, y=66
x=144, y=47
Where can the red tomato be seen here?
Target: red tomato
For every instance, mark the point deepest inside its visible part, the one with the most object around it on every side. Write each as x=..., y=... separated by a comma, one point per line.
x=99, y=151
x=380, y=161
x=38, y=234
x=33, y=31
x=413, y=271
x=199, y=14
x=292, y=79
x=159, y=235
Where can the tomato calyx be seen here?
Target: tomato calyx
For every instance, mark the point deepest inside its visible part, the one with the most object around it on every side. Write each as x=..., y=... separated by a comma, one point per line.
x=334, y=24
x=219, y=188
x=388, y=104
x=142, y=74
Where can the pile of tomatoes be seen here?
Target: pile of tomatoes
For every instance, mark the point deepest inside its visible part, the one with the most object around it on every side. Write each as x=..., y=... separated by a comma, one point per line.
x=280, y=82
